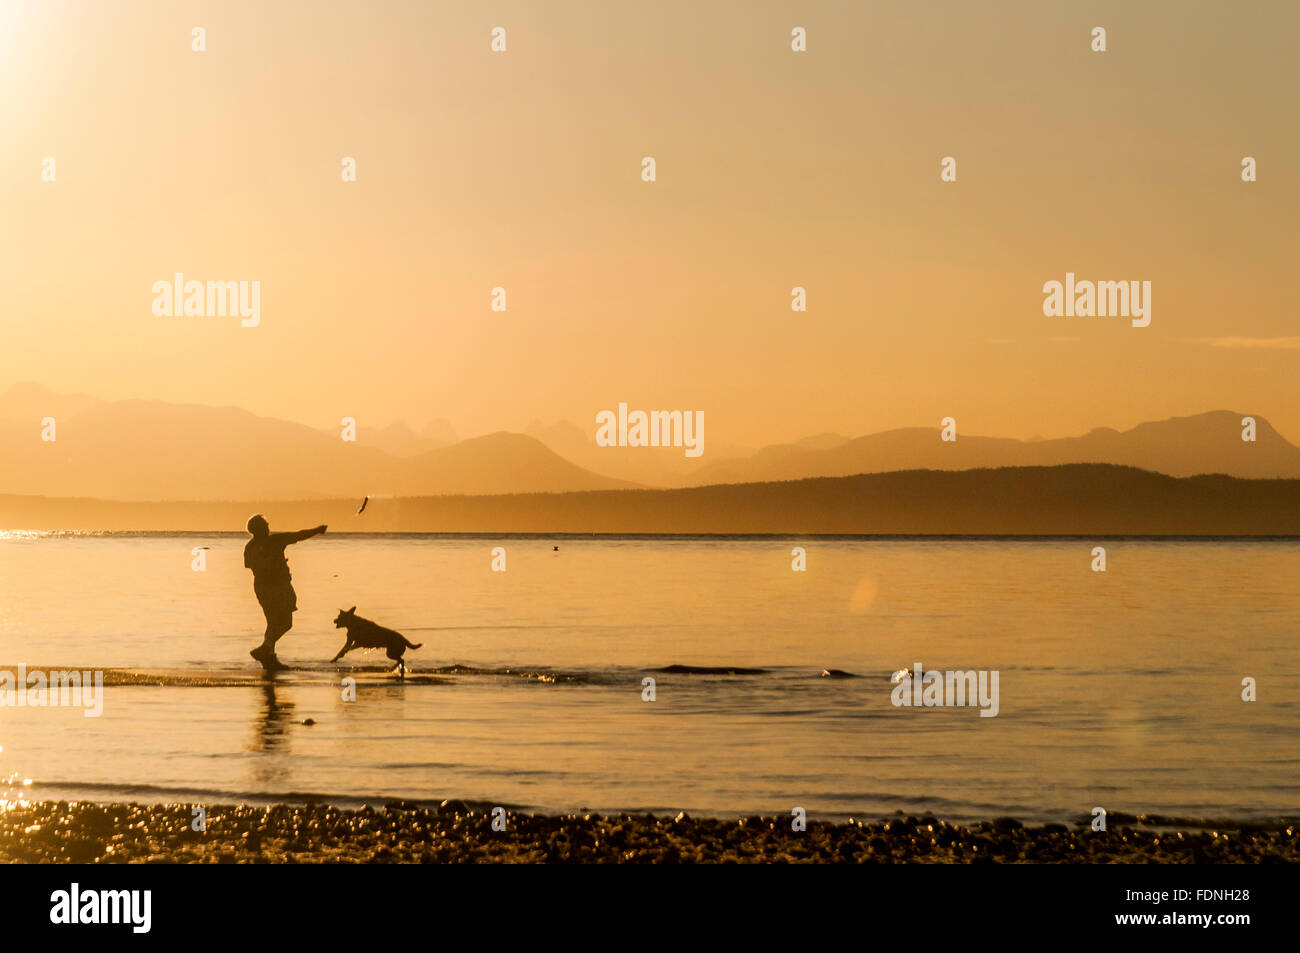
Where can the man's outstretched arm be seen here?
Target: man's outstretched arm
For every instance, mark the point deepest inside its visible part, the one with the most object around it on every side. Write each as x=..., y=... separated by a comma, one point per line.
x=288, y=538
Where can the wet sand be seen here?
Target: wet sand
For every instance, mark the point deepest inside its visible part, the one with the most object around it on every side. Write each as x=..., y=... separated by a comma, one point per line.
x=455, y=832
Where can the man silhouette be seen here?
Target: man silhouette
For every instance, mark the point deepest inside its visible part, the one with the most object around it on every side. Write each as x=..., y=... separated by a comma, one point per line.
x=264, y=554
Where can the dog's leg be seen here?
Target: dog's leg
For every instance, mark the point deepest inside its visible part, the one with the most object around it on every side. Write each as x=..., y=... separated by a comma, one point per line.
x=347, y=647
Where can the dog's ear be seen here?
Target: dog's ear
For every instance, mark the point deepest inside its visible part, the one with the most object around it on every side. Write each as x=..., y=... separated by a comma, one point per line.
x=352, y=610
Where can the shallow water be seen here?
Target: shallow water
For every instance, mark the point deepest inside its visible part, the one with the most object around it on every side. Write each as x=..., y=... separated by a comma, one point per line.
x=1120, y=689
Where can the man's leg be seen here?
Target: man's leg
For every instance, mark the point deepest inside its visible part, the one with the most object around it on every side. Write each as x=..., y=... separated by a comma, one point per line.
x=282, y=623
x=266, y=649
x=278, y=622
x=273, y=634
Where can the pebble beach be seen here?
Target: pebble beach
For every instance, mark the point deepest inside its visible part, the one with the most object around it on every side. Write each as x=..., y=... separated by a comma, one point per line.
x=456, y=832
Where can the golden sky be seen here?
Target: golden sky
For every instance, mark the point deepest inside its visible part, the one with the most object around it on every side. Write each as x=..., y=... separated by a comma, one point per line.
x=775, y=169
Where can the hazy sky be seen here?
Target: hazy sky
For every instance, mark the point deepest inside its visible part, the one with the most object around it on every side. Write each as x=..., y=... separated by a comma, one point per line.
x=775, y=169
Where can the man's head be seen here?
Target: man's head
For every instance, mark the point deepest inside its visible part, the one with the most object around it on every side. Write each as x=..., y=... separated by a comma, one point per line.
x=257, y=525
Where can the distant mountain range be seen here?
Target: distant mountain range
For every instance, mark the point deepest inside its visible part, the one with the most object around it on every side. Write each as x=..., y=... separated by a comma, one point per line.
x=152, y=450
x=1180, y=446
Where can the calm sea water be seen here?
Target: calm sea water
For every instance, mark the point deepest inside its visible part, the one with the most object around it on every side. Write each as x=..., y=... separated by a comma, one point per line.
x=1119, y=689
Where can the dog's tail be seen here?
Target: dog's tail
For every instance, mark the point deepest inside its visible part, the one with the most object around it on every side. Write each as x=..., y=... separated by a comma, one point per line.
x=410, y=644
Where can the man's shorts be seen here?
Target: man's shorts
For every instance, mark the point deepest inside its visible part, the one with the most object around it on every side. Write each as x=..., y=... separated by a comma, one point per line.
x=278, y=602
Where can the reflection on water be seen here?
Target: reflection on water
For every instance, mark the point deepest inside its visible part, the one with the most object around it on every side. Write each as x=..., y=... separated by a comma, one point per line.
x=271, y=736
x=1118, y=688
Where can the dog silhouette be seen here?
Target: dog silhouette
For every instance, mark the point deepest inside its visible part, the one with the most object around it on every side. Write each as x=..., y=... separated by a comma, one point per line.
x=364, y=634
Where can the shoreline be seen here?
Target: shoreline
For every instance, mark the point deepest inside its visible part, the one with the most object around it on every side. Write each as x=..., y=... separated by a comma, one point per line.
x=459, y=832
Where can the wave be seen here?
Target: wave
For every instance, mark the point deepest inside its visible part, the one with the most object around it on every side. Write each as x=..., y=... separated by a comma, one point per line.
x=874, y=804
x=108, y=792
x=528, y=673
x=318, y=672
